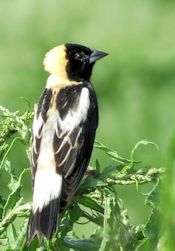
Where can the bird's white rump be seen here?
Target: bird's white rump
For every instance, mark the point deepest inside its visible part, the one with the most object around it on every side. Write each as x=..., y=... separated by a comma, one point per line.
x=47, y=187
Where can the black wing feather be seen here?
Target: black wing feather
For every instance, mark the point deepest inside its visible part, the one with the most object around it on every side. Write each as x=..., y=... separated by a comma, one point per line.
x=72, y=156
x=40, y=110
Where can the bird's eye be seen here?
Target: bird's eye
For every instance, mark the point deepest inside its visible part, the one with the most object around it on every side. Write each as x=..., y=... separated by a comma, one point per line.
x=78, y=56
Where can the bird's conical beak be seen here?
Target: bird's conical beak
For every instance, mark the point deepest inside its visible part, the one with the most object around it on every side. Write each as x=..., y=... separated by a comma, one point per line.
x=96, y=55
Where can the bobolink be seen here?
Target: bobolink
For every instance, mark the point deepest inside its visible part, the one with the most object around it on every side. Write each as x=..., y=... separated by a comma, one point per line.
x=63, y=133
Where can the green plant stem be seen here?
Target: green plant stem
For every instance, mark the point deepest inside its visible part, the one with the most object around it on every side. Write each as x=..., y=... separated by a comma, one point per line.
x=18, y=210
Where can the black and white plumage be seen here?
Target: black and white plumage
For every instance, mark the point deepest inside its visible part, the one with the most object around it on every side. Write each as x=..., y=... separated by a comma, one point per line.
x=64, y=129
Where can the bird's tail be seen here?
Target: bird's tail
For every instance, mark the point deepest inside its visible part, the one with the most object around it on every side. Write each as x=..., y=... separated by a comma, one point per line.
x=45, y=209
x=43, y=223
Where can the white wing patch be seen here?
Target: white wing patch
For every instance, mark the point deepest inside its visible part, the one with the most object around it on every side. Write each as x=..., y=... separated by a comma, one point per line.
x=75, y=117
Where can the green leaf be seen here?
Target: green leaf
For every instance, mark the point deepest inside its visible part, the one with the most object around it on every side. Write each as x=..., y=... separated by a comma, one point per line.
x=3, y=242
x=140, y=143
x=111, y=153
x=41, y=249
x=118, y=234
x=91, y=244
x=152, y=227
x=109, y=169
x=88, y=202
x=110, y=240
x=68, y=220
x=2, y=203
x=14, y=196
x=90, y=183
x=95, y=218
x=7, y=152
x=151, y=233
x=152, y=198
x=18, y=210
x=11, y=233
x=21, y=236
x=97, y=165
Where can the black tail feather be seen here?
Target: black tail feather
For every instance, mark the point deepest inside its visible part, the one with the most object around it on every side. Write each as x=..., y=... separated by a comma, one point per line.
x=43, y=223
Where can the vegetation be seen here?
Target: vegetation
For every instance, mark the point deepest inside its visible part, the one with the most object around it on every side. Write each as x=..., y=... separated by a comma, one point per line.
x=96, y=201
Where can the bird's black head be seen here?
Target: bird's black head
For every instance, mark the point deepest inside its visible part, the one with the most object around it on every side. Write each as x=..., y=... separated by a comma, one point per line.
x=81, y=61
x=71, y=62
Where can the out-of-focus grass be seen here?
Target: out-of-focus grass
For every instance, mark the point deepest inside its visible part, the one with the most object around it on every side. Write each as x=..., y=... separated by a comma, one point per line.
x=134, y=84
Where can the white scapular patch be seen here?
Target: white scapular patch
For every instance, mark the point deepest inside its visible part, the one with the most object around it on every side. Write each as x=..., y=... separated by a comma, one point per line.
x=47, y=187
x=75, y=117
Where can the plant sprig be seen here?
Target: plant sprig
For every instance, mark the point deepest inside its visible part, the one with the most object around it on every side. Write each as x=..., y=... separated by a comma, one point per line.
x=96, y=200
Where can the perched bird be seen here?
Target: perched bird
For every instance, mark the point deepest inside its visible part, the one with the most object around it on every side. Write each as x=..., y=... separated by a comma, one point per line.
x=63, y=133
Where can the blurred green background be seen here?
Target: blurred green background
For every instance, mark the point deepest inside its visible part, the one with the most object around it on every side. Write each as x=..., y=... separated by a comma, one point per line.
x=135, y=84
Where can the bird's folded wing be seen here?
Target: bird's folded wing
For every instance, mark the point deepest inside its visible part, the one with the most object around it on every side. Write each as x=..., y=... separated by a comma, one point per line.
x=72, y=157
